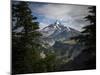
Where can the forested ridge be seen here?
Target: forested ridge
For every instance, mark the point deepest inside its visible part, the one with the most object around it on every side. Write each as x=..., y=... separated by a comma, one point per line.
x=27, y=51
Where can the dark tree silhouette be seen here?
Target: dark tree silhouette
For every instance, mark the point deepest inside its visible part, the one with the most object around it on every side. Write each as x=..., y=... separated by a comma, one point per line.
x=26, y=46
x=87, y=58
x=88, y=39
x=25, y=43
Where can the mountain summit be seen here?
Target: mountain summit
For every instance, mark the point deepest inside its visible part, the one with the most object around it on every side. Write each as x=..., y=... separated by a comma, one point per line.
x=58, y=31
x=56, y=26
x=57, y=37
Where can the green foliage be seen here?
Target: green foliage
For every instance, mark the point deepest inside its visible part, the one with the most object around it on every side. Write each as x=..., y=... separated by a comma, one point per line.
x=25, y=49
x=90, y=30
x=88, y=38
x=46, y=64
x=26, y=46
x=50, y=62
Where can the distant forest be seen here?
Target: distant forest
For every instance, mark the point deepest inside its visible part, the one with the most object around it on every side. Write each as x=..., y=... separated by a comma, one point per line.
x=26, y=47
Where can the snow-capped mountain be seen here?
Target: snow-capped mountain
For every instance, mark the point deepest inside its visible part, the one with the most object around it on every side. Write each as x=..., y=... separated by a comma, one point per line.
x=56, y=37
x=56, y=28
x=57, y=32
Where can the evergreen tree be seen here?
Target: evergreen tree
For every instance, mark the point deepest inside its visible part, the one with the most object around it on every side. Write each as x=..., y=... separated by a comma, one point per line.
x=88, y=39
x=25, y=43
x=90, y=30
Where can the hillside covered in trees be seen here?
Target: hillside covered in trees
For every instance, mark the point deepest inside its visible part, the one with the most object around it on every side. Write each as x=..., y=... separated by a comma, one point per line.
x=53, y=48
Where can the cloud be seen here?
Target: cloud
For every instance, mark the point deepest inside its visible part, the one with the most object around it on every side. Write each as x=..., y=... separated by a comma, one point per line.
x=53, y=11
x=42, y=25
x=59, y=11
x=71, y=15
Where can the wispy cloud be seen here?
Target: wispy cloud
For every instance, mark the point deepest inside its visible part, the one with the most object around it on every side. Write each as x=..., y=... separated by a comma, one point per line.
x=71, y=15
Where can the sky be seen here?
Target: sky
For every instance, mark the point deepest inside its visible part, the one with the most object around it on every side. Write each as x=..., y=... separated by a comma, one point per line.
x=68, y=14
